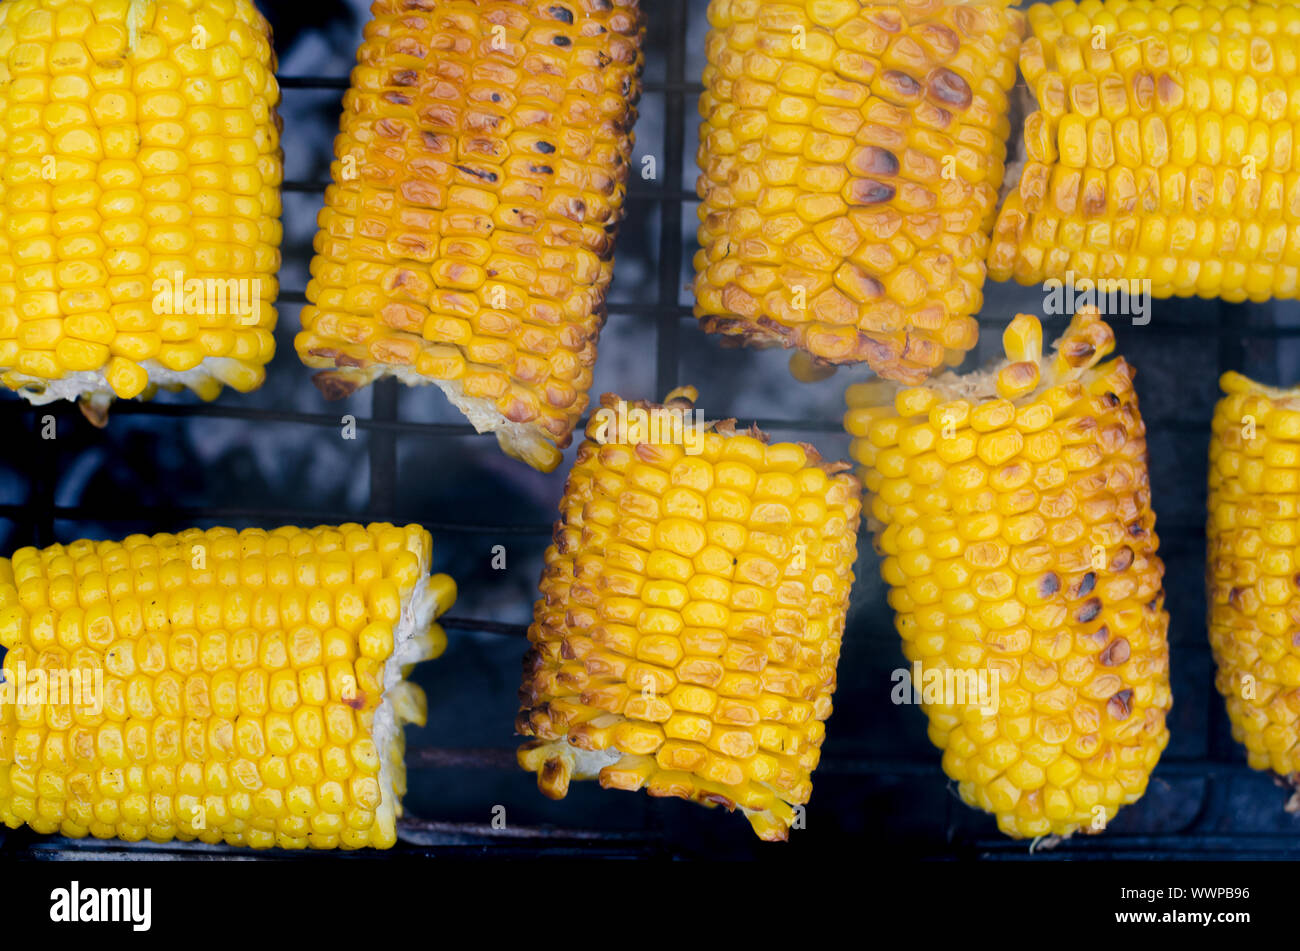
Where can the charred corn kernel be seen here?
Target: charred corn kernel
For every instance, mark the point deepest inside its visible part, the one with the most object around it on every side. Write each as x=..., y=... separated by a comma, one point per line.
x=139, y=229
x=691, y=654
x=1035, y=581
x=174, y=686
x=1161, y=151
x=850, y=160
x=468, y=238
x=1252, y=565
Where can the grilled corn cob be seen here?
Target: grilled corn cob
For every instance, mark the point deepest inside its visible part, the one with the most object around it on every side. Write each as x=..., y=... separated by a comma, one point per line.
x=467, y=240
x=692, y=608
x=250, y=684
x=851, y=155
x=1014, y=515
x=1163, y=148
x=1253, y=573
x=140, y=201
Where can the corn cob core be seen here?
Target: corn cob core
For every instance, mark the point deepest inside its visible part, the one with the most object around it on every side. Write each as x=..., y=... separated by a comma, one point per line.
x=1018, y=539
x=690, y=620
x=467, y=240
x=1253, y=571
x=140, y=145
x=1163, y=148
x=851, y=155
x=252, y=684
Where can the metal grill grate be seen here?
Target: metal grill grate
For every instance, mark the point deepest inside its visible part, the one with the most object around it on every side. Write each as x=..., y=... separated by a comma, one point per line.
x=879, y=783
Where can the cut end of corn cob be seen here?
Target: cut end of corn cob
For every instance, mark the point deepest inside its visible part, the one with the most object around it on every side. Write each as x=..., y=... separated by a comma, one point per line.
x=1252, y=570
x=851, y=155
x=1019, y=544
x=692, y=608
x=1162, y=149
x=240, y=687
x=139, y=211
x=468, y=238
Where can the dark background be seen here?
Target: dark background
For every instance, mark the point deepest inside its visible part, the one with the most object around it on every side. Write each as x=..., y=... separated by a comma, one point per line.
x=276, y=456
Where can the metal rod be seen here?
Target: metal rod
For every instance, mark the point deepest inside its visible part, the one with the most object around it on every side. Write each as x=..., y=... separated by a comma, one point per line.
x=668, y=327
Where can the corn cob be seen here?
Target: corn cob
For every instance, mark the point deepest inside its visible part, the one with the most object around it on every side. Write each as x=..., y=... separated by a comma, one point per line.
x=1253, y=572
x=1163, y=148
x=692, y=608
x=1013, y=511
x=250, y=684
x=467, y=240
x=851, y=155
x=140, y=201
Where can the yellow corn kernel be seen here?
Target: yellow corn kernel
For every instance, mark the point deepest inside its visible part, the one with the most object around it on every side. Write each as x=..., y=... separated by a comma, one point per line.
x=673, y=692
x=213, y=715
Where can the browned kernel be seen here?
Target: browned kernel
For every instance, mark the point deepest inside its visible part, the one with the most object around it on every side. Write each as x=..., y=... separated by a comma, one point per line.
x=1115, y=653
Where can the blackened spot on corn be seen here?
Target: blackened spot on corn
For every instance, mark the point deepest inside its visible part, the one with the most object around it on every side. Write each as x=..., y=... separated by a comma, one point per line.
x=542, y=169
x=561, y=40
x=496, y=97
x=1120, y=705
x=1088, y=610
x=397, y=98
x=480, y=174
x=1111, y=399
x=868, y=191
x=1234, y=597
x=1116, y=652
x=545, y=147
x=1086, y=584
x=561, y=13
x=873, y=160
x=355, y=699
x=1136, y=530
x=551, y=780
x=1153, y=604
x=603, y=59
x=1124, y=558
x=430, y=139
x=1048, y=585
x=405, y=77
x=949, y=88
